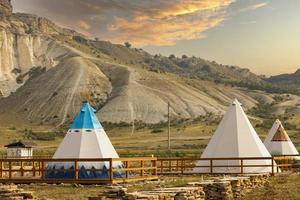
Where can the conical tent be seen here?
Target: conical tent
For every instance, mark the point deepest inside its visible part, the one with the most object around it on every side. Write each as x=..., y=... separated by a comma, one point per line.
x=85, y=139
x=278, y=142
x=235, y=137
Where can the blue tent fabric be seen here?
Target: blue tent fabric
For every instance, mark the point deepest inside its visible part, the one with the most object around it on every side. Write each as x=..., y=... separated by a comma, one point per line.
x=69, y=173
x=86, y=118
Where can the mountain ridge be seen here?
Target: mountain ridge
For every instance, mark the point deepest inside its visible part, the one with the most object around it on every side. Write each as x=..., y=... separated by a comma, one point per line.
x=287, y=79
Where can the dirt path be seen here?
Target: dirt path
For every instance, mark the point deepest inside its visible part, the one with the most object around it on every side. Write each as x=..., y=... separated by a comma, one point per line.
x=73, y=90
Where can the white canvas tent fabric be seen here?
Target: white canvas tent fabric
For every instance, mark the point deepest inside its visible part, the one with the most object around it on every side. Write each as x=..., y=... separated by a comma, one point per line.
x=85, y=139
x=278, y=142
x=235, y=137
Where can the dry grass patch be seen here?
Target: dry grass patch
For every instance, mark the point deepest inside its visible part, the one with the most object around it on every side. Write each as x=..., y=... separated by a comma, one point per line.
x=281, y=187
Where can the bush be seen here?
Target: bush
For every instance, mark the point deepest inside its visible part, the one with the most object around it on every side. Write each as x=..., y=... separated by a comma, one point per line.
x=43, y=136
x=80, y=39
x=127, y=44
x=157, y=131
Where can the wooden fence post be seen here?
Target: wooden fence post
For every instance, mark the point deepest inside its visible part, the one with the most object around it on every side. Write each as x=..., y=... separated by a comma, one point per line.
x=33, y=169
x=142, y=170
x=39, y=168
x=1, y=167
x=242, y=166
x=42, y=170
x=22, y=170
x=155, y=169
x=9, y=168
x=211, y=166
x=272, y=159
x=126, y=168
x=76, y=169
x=111, y=176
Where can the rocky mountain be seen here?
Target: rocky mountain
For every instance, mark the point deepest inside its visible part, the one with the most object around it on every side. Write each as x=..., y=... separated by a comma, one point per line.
x=46, y=71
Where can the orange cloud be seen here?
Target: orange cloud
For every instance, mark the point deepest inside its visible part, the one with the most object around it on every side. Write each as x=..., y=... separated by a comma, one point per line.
x=84, y=25
x=178, y=20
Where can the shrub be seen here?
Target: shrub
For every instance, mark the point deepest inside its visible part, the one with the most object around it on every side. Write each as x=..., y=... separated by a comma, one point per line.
x=157, y=131
x=43, y=136
x=80, y=39
x=127, y=44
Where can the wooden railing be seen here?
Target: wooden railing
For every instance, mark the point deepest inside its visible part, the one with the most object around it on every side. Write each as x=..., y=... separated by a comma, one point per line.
x=36, y=170
x=33, y=170
x=287, y=162
x=242, y=165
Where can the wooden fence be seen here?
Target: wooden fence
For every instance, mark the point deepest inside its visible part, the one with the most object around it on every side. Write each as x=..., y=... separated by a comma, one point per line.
x=242, y=165
x=35, y=170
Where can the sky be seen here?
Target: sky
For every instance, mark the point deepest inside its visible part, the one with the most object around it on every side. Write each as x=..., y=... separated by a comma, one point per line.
x=262, y=35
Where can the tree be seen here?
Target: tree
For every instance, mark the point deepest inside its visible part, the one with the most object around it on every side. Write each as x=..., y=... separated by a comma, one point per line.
x=127, y=44
x=96, y=39
x=184, y=57
x=172, y=56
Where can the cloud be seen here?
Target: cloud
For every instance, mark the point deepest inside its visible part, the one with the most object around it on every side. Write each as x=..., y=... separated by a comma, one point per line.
x=259, y=5
x=248, y=22
x=166, y=24
x=155, y=22
x=84, y=25
x=254, y=7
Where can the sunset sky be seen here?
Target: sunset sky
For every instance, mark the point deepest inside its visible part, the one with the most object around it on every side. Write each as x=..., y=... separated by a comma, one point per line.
x=263, y=36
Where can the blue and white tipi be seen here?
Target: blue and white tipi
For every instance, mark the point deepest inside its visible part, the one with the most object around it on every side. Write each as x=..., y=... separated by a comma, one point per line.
x=85, y=139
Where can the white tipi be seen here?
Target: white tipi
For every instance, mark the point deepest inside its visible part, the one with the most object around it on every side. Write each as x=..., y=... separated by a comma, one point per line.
x=235, y=137
x=85, y=139
x=278, y=142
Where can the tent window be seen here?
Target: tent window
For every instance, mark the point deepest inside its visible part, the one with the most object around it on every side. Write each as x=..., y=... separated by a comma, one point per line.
x=76, y=131
x=88, y=131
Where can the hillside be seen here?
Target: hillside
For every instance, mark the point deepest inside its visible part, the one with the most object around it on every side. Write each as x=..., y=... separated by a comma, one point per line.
x=46, y=71
x=287, y=79
x=191, y=67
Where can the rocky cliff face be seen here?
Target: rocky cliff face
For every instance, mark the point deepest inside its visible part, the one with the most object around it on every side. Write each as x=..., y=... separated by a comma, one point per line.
x=5, y=7
x=26, y=41
x=42, y=78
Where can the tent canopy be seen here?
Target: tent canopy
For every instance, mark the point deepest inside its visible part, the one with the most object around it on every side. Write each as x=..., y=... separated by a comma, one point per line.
x=278, y=142
x=235, y=137
x=85, y=139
